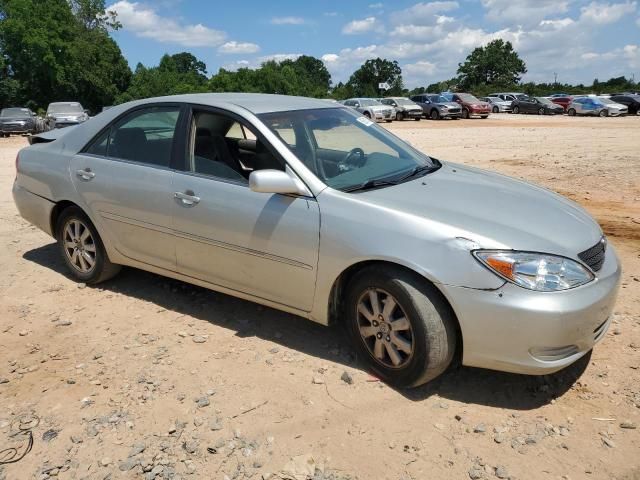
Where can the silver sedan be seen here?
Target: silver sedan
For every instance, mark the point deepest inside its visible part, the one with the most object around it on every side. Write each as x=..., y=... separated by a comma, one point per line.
x=313, y=209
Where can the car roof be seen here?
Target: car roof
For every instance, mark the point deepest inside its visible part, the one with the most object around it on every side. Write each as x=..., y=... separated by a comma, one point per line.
x=256, y=103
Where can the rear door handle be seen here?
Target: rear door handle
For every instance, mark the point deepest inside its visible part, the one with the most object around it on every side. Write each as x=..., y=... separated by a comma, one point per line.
x=187, y=198
x=85, y=174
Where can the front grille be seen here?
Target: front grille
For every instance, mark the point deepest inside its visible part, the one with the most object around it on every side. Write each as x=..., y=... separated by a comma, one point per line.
x=594, y=256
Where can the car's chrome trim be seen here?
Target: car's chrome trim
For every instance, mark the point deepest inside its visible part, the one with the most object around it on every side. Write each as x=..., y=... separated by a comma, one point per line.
x=205, y=240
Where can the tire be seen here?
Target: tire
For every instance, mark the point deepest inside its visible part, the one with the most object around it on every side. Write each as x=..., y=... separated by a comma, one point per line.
x=417, y=119
x=399, y=116
x=516, y=110
x=484, y=117
x=604, y=113
x=102, y=269
x=541, y=111
x=571, y=112
x=465, y=113
x=434, y=115
x=495, y=110
x=429, y=334
x=388, y=121
x=368, y=115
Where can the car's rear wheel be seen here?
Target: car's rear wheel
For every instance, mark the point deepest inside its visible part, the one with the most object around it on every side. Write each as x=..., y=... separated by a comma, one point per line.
x=82, y=248
x=516, y=109
x=465, y=113
x=495, y=110
x=434, y=115
x=399, y=116
x=604, y=113
x=400, y=325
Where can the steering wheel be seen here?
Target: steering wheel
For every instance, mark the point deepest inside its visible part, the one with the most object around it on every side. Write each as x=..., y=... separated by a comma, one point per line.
x=351, y=159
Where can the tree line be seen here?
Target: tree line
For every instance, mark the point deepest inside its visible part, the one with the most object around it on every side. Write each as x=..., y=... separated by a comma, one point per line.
x=56, y=50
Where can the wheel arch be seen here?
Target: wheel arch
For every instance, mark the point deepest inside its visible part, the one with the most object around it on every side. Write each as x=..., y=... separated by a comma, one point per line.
x=336, y=295
x=57, y=210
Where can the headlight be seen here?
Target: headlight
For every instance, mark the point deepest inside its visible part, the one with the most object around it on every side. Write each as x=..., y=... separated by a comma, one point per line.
x=535, y=271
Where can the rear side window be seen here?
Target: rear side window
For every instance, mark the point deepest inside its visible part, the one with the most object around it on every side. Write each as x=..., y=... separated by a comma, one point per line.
x=144, y=136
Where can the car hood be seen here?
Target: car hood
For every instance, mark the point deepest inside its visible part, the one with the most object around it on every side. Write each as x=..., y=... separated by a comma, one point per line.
x=493, y=210
x=380, y=108
x=448, y=104
x=15, y=119
x=415, y=106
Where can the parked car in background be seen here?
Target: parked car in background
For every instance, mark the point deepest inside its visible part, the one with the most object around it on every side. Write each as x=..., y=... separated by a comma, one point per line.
x=18, y=121
x=590, y=106
x=471, y=106
x=65, y=114
x=509, y=96
x=404, y=107
x=559, y=95
x=498, y=105
x=371, y=108
x=301, y=205
x=539, y=105
x=632, y=102
x=615, y=108
x=436, y=107
x=563, y=101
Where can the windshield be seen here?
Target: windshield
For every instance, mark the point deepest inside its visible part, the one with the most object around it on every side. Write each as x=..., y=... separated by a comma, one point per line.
x=65, y=108
x=607, y=101
x=14, y=112
x=369, y=103
x=438, y=99
x=521, y=96
x=403, y=101
x=342, y=149
x=545, y=100
x=467, y=97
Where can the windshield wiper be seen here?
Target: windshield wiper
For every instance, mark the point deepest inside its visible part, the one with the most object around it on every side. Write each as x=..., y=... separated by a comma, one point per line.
x=368, y=185
x=417, y=171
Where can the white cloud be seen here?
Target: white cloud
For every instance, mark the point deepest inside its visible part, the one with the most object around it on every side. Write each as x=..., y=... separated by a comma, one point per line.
x=422, y=13
x=144, y=22
x=287, y=20
x=279, y=57
x=421, y=67
x=523, y=12
x=376, y=6
x=604, y=13
x=234, y=47
x=357, y=27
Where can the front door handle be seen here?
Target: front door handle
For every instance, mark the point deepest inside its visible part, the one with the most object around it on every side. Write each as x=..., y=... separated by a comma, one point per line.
x=187, y=198
x=85, y=174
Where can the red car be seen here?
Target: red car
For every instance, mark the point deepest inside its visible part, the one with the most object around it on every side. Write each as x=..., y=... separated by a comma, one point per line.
x=562, y=101
x=471, y=106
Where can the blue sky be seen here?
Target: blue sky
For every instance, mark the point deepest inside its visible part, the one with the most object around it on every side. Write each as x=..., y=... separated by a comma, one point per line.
x=577, y=39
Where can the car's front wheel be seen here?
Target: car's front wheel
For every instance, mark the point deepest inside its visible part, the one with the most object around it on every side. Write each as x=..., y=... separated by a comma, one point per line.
x=516, y=110
x=400, y=325
x=435, y=115
x=571, y=112
x=541, y=111
x=82, y=248
x=465, y=113
x=495, y=110
x=604, y=113
x=399, y=116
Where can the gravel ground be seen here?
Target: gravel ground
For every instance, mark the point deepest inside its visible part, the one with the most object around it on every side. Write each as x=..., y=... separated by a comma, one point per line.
x=145, y=377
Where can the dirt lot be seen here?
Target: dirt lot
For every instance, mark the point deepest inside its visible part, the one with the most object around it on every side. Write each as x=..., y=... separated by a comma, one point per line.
x=149, y=374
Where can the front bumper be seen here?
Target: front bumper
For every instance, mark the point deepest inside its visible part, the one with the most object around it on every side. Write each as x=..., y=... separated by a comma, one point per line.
x=384, y=115
x=479, y=113
x=413, y=113
x=521, y=331
x=451, y=113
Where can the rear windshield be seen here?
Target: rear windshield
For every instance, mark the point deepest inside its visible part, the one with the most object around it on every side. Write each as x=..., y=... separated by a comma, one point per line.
x=14, y=112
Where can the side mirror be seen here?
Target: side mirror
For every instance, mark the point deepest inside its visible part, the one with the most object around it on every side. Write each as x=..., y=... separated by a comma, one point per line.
x=276, y=181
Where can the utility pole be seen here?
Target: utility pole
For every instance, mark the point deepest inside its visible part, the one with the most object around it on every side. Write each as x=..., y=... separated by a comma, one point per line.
x=555, y=78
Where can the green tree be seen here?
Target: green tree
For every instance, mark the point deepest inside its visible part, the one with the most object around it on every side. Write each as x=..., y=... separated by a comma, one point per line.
x=61, y=50
x=176, y=74
x=496, y=64
x=364, y=81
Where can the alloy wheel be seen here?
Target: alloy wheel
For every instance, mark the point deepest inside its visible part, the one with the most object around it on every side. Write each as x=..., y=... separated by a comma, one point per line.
x=384, y=328
x=79, y=245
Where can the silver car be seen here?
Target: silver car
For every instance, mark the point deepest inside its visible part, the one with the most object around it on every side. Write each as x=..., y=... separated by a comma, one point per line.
x=314, y=209
x=65, y=114
x=498, y=105
x=594, y=106
x=404, y=108
x=371, y=108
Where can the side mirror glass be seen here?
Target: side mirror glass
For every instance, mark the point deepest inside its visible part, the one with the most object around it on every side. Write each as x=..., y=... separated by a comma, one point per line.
x=276, y=181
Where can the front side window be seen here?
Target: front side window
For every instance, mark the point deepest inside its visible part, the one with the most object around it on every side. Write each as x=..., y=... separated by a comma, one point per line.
x=144, y=136
x=224, y=148
x=345, y=150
